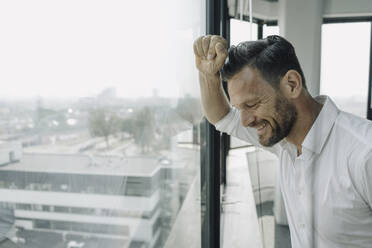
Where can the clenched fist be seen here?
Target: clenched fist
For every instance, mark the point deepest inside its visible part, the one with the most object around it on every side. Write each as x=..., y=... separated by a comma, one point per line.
x=210, y=54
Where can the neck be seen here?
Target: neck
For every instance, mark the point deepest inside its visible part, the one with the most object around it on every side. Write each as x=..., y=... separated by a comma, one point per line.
x=307, y=111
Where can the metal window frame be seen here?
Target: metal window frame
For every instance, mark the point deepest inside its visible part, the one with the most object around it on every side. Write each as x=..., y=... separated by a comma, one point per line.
x=329, y=20
x=225, y=138
x=210, y=170
x=369, y=102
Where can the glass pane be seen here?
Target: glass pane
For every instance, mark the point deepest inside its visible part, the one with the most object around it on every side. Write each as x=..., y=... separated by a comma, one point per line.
x=346, y=83
x=270, y=30
x=99, y=124
x=241, y=31
x=252, y=183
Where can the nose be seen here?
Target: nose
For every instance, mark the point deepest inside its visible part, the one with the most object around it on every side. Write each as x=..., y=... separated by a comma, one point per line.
x=247, y=118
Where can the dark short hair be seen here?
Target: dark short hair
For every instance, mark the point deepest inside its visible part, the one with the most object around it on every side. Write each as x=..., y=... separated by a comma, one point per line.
x=273, y=56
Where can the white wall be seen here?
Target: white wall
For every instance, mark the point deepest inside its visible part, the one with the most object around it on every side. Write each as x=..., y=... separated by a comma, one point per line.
x=300, y=22
x=331, y=8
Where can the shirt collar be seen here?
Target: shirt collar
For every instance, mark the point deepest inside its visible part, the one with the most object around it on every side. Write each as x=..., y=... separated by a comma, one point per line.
x=318, y=134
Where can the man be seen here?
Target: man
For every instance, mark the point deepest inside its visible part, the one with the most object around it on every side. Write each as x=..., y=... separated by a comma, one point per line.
x=325, y=154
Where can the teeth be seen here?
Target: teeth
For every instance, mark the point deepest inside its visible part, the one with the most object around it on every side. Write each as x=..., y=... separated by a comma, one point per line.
x=262, y=126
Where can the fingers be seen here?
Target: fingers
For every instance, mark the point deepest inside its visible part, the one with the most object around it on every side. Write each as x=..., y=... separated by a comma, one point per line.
x=196, y=52
x=199, y=46
x=212, y=47
x=221, y=53
x=205, y=44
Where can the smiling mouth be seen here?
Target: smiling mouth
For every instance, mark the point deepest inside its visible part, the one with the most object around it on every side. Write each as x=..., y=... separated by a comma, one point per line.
x=261, y=129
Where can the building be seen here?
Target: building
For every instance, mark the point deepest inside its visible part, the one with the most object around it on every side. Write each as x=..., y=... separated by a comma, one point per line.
x=10, y=152
x=79, y=200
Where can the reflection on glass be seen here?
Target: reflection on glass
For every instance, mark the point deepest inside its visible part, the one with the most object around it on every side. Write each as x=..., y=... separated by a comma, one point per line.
x=99, y=124
x=346, y=83
x=239, y=32
x=252, y=182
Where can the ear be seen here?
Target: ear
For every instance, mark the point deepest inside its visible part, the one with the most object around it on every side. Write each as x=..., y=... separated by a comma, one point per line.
x=291, y=84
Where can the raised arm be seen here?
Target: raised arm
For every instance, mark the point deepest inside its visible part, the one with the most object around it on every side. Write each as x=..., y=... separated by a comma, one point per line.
x=210, y=54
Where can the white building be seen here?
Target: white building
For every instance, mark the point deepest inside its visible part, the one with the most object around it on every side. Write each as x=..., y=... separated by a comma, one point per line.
x=10, y=152
x=100, y=201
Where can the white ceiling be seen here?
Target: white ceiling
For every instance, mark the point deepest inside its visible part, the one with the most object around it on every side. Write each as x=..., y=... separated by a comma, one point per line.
x=268, y=10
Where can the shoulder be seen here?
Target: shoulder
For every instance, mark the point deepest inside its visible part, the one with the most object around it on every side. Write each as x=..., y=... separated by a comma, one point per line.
x=354, y=136
x=352, y=141
x=361, y=173
x=353, y=132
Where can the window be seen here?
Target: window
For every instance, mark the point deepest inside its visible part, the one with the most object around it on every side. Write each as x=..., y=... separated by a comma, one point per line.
x=255, y=169
x=347, y=82
x=241, y=31
x=270, y=30
x=101, y=117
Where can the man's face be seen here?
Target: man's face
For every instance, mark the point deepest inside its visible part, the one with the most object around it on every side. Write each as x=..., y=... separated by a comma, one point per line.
x=261, y=106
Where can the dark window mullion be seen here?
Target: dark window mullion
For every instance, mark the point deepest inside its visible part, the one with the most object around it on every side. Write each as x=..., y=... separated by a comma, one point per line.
x=225, y=138
x=211, y=168
x=260, y=30
x=369, y=102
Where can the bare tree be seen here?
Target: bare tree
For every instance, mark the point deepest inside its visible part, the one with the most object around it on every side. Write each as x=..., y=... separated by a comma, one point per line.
x=103, y=123
x=144, y=131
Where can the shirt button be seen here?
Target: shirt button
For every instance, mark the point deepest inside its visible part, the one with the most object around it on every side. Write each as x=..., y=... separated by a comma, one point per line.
x=302, y=225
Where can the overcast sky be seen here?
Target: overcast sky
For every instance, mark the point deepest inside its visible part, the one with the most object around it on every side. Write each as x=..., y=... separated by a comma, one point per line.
x=78, y=47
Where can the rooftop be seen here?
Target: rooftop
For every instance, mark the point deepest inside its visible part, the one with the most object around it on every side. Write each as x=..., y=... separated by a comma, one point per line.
x=87, y=165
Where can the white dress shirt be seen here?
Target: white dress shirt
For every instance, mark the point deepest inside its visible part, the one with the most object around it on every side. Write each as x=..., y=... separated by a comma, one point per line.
x=327, y=190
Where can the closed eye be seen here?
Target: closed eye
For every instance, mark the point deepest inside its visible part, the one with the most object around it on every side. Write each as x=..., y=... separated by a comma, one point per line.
x=250, y=106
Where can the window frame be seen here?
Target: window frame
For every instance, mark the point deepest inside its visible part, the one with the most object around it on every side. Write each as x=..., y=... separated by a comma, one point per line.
x=369, y=101
x=214, y=145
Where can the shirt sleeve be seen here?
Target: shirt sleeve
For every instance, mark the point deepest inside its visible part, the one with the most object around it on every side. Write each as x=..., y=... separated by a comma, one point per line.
x=231, y=125
x=367, y=180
